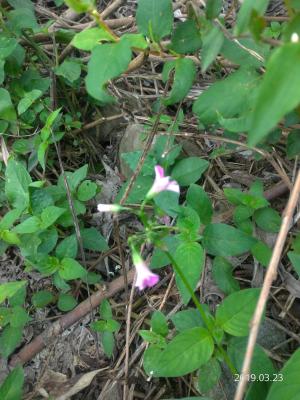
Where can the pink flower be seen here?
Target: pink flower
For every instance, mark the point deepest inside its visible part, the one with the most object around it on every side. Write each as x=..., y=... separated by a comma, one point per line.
x=145, y=278
x=109, y=207
x=161, y=183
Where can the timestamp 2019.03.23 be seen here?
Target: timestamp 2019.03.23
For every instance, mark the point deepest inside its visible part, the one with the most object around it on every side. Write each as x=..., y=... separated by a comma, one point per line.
x=259, y=377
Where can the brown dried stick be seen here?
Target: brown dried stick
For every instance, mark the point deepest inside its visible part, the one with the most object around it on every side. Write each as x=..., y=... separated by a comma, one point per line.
x=270, y=276
x=45, y=338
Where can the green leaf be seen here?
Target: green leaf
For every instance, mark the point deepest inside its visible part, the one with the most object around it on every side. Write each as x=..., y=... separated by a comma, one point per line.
x=295, y=260
x=267, y=219
x=69, y=70
x=93, y=240
x=269, y=108
x=30, y=225
x=22, y=18
x=236, y=196
x=190, y=259
x=50, y=215
x=236, y=311
x=187, y=319
x=42, y=153
x=28, y=99
x=135, y=40
x=89, y=38
x=108, y=343
x=7, y=111
x=168, y=202
x=9, y=289
x=189, y=170
x=186, y=38
x=71, y=269
x=86, y=190
x=184, y=354
x=9, y=340
x=66, y=302
x=159, y=323
x=42, y=298
x=81, y=6
x=240, y=56
x=140, y=188
x=293, y=144
x=212, y=43
x=213, y=8
x=224, y=240
x=105, y=309
x=48, y=239
x=218, y=99
x=68, y=247
x=19, y=317
x=208, y=375
x=11, y=388
x=39, y=200
x=107, y=61
x=222, y=274
x=109, y=325
x=17, y=180
x=9, y=237
x=132, y=159
x=246, y=11
x=155, y=18
x=7, y=45
x=287, y=386
x=153, y=338
x=9, y=219
x=262, y=253
x=159, y=258
x=184, y=76
x=198, y=199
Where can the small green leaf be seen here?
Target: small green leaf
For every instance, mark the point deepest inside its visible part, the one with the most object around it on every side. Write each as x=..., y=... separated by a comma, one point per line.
x=213, y=8
x=189, y=170
x=236, y=311
x=66, y=302
x=89, y=38
x=186, y=38
x=222, y=274
x=198, y=199
x=269, y=108
x=69, y=70
x=212, y=43
x=7, y=45
x=154, y=18
x=105, y=309
x=30, y=225
x=9, y=237
x=225, y=240
x=184, y=354
x=295, y=260
x=42, y=154
x=50, y=215
x=81, y=6
x=293, y=144
x=187, y=319
x=108, y=343
x=71, y=269
x=28, y=99
x=208, y=375
x=10, y=338
x=86, y=190
x=19, y=317
x=11, y=388
x=93, y=240
x=109, y=325
x=42, y=298
x=159, y=323
x=107, y=61
x=7, y=111
x=9, y=289
x=153, y=338
x=68, y=247
x=17, y=180
x=184, y=75
x=267, y=219
x=135, y=40
x=262, y=253
x=190, y=259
